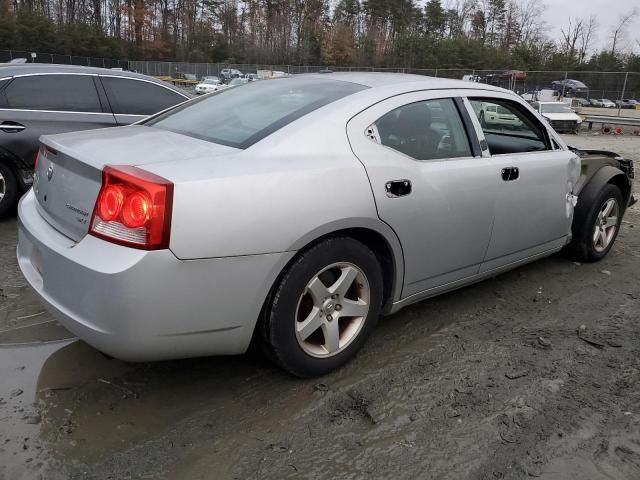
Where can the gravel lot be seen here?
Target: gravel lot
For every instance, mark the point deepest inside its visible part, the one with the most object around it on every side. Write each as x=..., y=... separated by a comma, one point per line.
x=532, y=374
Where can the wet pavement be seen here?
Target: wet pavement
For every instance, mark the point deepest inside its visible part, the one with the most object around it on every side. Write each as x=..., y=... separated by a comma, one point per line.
x=532, y=374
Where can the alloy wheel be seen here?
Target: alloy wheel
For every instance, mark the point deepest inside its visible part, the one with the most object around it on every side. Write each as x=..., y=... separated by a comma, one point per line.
x=332, y=310
x=606, y=225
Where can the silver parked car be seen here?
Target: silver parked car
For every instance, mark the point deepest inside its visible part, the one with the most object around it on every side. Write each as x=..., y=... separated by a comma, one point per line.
x=313, y=205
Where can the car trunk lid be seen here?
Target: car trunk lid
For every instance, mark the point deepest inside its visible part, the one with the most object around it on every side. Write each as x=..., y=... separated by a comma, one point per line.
x=69, y=173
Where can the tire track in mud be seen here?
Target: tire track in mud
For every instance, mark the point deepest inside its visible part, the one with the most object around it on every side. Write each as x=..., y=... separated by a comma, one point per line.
x=507, y=389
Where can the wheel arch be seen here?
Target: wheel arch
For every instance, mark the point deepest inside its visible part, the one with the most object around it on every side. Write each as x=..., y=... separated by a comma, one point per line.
x=589, y=192
x=606, y=174
x=376, y=235
x=15, y=163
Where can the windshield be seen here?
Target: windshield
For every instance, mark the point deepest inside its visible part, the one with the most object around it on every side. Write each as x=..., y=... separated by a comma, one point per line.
x=252, y=112
x=237, y=81
x=555, y=108
x=210, y=81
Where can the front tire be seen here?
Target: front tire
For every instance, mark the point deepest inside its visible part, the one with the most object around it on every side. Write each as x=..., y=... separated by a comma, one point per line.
x=324, y=308
x=596, y=226
x=9, y=192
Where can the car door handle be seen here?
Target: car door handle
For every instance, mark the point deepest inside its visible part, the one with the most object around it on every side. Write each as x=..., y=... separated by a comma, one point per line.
x=510, y=173
x=397, y=188
x=11, y=127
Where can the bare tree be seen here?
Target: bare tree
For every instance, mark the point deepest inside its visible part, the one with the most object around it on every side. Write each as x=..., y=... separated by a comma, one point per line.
x=571, y=34
x=587, y=36
x=532, y=26
x=620, y=29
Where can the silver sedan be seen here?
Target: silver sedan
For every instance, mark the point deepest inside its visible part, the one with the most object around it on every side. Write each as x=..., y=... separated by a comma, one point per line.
x=295, y=211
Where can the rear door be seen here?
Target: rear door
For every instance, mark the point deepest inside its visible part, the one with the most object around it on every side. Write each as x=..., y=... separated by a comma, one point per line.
x=533, y=180
x=41, y=104
x=133, y=99
x=430, y=184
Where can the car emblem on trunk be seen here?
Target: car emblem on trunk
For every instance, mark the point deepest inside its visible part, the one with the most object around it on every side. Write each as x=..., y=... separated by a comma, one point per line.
x=50, y=172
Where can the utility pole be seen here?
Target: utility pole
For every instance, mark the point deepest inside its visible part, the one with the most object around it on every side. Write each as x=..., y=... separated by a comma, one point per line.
x=564, y=85
x=624, y=88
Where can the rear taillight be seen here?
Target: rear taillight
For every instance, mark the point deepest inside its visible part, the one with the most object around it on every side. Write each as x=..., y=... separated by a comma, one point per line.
x=133, y=208
x=35, y=164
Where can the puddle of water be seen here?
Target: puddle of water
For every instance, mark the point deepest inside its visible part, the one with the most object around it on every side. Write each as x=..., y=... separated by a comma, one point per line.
x=65, y=404
x=23, y=454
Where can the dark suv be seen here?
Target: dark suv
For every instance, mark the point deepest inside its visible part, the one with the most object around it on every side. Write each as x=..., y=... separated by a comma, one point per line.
x=40, y=99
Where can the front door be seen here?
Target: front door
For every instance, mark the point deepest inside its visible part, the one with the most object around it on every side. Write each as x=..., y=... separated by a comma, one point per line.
x=533, y=182
x=430, y=184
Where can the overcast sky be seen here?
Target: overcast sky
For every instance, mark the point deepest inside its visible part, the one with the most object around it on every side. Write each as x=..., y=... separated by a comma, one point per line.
x=608, y=13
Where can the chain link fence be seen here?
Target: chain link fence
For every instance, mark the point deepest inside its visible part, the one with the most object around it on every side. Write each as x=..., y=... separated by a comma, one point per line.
x=600, y=85
x=9, y=55
x=609, y=85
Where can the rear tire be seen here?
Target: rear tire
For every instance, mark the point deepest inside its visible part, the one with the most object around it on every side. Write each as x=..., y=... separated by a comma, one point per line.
x=9, y=192
x=324, y=308
x=596, y=225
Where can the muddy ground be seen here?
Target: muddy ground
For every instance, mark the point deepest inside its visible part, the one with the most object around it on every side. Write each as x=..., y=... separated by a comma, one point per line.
x=532, y=374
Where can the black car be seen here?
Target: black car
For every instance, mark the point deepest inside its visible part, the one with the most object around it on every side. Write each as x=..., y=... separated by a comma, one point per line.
x=626, y=103
x=569, y=86
x=38, y=99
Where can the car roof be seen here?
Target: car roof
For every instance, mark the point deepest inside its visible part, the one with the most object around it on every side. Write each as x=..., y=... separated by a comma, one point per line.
x=384, y=79
x=12, y=69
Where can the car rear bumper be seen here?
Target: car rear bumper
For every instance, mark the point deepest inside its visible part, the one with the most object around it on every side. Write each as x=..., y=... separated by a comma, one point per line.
x=144, y=305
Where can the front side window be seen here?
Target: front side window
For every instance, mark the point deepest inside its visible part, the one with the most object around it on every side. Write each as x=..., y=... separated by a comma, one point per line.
x=135, y=97
x=508, y=128
x=427, y=130
x=73, y=93
x=240, y=117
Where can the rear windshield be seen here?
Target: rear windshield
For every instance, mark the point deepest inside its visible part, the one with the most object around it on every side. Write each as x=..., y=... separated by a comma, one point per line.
x=241, y=116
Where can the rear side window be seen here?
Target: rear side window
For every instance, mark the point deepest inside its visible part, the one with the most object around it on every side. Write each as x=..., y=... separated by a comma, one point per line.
x=508, y=127
x=241, y=116
x=136, y=97
x=427, y=130
x=73, y=93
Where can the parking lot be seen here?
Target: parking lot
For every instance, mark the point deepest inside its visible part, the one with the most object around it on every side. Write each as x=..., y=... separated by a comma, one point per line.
x=531, y=374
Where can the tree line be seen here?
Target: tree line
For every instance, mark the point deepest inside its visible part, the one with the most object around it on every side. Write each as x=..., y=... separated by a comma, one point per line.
x=478, y=34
